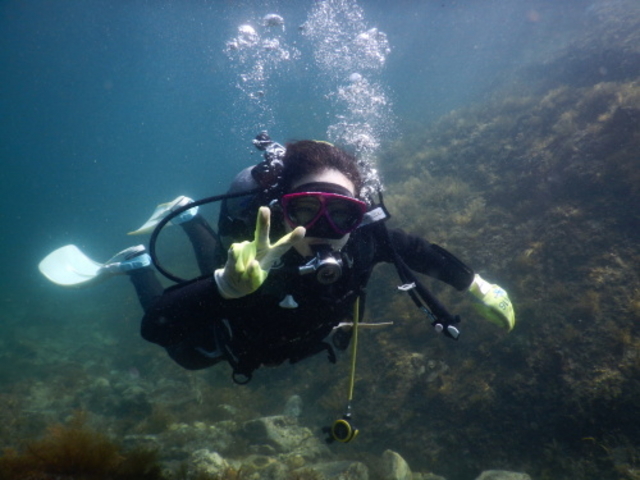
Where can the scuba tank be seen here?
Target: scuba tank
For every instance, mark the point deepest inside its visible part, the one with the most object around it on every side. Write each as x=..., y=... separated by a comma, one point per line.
x=238, y=214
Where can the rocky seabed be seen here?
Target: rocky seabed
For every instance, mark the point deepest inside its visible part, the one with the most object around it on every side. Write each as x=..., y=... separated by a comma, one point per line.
x=274, y=447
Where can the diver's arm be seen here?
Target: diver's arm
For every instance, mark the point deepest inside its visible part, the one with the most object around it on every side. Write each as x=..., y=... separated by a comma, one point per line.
x=431, y=259
x=435, y=261
x=182, y=308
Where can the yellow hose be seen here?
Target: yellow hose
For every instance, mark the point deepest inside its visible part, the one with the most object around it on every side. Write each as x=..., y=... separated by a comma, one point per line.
x=354, y=347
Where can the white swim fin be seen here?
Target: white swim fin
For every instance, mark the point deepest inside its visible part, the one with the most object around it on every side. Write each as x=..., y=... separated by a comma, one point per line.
x=162, y=211
x=69, y=267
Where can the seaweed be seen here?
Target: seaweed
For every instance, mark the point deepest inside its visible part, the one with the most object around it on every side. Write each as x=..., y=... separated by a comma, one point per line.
x=78, y=452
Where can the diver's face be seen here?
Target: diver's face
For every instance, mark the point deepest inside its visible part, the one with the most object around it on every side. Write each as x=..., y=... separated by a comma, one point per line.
x=335, y=177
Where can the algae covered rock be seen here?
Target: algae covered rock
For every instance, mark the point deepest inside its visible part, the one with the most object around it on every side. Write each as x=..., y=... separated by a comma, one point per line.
x=394, y=467
x=180, y=440
x=283, y=434
x=502, y=475
x=206, y=462
x=264, y=467
x=293, y=407
x=343, y=470
x=427, y=476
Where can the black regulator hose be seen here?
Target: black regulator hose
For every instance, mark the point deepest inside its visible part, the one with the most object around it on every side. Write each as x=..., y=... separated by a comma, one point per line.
x=175, y=213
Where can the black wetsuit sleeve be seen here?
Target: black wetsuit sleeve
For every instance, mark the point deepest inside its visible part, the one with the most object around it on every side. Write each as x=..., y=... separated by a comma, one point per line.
x=181, y=309
x=428, y=259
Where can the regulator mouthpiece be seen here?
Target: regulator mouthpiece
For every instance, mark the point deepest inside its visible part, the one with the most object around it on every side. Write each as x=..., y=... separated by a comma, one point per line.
x=326, y=265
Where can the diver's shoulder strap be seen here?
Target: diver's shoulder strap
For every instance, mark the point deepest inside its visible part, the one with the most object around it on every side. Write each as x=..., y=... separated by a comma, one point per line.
x=440, y=318
x=378, y=213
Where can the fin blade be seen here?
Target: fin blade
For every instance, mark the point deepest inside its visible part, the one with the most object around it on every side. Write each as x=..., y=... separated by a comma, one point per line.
x=68, y=266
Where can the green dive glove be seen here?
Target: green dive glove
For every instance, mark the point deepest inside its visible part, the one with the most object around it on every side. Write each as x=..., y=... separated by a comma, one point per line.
x=495, y=304
x=248, y=263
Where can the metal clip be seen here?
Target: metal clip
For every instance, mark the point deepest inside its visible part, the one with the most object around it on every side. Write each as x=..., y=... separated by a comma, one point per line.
x=407, y=286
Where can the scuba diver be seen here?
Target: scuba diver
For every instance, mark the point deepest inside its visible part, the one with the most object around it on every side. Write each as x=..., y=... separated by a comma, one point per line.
x=288, y=266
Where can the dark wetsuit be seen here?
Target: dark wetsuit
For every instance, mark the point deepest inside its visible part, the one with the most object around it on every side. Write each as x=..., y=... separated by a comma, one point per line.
x=194, y=323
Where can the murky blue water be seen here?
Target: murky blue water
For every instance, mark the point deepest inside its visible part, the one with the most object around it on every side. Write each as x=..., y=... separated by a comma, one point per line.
x=111, y=107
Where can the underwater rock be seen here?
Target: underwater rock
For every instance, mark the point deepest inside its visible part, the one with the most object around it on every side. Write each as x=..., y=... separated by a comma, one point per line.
x=293, y=407
x=394, y=467
x=427, y=476
x=283, y=434
x=264, y=467
x=179, y=441
x=206, y=462
x=343, y=470
x=502, y=475
x=435, y=369
x=229, y=410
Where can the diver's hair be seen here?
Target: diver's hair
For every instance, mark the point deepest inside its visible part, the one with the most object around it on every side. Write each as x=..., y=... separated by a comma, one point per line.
x=306, y=157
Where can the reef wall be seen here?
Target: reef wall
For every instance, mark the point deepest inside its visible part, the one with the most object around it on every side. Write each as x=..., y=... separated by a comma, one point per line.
x=538, y=190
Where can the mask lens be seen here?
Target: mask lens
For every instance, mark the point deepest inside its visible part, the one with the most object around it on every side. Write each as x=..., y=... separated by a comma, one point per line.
x=302, y=210
x=345, y=214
